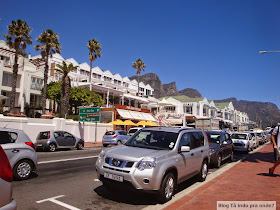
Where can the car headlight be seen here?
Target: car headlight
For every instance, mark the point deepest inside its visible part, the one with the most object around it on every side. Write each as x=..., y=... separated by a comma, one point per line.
x=212, y=151
x=147, y=163
x=102, y=154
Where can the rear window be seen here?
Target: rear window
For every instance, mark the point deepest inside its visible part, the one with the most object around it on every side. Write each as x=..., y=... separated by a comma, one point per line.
x=7, y=137
x=109, y=133
x=132, y=131
x=44, y=135
x=214, y=137
x=239, y=136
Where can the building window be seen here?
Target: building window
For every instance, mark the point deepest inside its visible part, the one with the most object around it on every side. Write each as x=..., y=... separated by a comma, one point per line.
x=188, y=109
x=204, y=111
x=107, y=79
x=148, y=92
x=117, y=82
x=125, y=84
x=6, y=60
x=7, y=79
x=36, y=83
x=197, y=109
x=170, y=109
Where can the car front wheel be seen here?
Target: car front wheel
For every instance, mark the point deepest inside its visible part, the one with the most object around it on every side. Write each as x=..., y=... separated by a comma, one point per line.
x=167, y=188
x=23, y=169
x=219, y=161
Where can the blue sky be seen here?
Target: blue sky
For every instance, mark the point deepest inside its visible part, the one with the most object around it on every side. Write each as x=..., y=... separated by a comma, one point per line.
x=209, y=45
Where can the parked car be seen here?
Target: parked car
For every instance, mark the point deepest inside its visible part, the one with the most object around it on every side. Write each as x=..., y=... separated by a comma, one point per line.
x=116, y=137
x=133, y=130
x=242, y=142
x=221, y=147
x=261, y=137
x=53, y=140
x=156, y=160
x=20, y=151
x=6, y=178
x=256, y=140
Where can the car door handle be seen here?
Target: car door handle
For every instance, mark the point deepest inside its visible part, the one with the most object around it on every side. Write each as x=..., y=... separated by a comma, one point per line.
x=15, y=150
x=192, y=154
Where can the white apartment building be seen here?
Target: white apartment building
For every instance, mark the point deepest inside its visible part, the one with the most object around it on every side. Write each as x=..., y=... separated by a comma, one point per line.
x=112, y=87
x=183, y=110
x=29, y=81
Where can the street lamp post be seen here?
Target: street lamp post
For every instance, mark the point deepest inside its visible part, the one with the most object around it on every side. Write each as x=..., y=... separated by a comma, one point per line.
x=263, y=52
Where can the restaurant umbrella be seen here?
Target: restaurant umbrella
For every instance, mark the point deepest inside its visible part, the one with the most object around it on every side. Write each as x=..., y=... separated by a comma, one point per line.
x=129, y=122
x=143, y=122
x=117, y=122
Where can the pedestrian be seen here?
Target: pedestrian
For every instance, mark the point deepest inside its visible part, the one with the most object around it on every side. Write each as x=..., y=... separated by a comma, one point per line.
x=275, y=137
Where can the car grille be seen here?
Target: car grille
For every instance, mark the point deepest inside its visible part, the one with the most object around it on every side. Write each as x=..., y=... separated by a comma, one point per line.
x=237, y=144
x=115, y=169
x=118, y=163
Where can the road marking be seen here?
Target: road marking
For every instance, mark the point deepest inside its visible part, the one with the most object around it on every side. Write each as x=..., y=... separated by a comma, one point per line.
x=53, y=199
x=62, y=160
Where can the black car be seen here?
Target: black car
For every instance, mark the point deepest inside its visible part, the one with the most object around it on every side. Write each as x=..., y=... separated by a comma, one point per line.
x=221, y=147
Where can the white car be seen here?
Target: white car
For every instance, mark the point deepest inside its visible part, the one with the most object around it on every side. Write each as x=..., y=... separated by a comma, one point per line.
x=132, y=131
x=242, y=142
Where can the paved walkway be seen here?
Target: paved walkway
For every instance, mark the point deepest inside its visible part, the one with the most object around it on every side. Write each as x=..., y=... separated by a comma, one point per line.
x=246, y=181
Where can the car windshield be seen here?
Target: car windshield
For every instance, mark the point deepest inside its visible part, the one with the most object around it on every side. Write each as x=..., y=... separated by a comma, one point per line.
x=259, y=134
x=239, y=136
x=150, y=139
x=109, y=133
x=214, y=137
x=132, y=131
x=252, y=134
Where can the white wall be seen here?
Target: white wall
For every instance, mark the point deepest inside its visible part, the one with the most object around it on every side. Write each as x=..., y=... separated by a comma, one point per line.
x=32, y=127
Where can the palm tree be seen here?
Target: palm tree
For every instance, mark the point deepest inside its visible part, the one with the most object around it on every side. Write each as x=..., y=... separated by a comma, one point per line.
x=17, y=39
x=49, y=45
x=94, y=52
x=140, y=66
x=65, y=69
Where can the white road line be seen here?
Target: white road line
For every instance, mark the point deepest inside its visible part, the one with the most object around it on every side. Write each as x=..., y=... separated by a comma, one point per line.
x=62, y=160
x=53, y=199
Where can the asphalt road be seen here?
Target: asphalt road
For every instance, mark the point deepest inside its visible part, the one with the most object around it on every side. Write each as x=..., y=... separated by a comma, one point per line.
x=67, y=180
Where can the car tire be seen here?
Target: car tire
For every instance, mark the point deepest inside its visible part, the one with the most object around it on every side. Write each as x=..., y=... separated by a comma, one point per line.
x=203, y=171
x=167, y=188
x=219, y=161
x=105, y=145
x=119, y=143
x=52, y=147
x=23, y=170
x=80, y=146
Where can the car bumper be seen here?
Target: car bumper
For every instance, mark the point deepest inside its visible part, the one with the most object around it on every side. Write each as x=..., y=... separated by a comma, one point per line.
x=109, y=141
x=43, y=145
x=133, y=178
x=240, y=148
x=11, y=206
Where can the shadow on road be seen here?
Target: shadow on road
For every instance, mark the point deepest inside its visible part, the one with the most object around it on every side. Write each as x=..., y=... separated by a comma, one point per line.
x=127, y=197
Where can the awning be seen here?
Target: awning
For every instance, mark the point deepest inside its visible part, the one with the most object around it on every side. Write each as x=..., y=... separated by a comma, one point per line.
x=148, y=117
x=136, y=115
x=124, y=114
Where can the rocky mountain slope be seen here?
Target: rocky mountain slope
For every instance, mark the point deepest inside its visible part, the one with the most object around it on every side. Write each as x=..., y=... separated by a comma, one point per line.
x=265, y=112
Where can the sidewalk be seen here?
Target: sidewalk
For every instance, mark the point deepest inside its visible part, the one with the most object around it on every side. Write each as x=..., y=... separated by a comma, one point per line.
x=248, y=180
x=92, y=144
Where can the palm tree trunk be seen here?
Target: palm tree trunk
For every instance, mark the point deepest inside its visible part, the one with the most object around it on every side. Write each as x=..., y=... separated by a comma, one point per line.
x=65, y=95
x=44, y=94
x=14, y=83
x=138, y=85
x=90, y=72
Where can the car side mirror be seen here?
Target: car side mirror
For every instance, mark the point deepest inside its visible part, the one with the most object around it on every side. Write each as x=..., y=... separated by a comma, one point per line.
x=224, y=142
x=185, y=149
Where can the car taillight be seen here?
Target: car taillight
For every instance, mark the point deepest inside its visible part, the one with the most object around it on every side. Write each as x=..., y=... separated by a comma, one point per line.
x=30, y=144
x=5, y=167
x=115, y=136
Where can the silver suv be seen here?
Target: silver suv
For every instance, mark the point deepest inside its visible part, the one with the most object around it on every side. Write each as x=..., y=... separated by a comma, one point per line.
x=156, y=160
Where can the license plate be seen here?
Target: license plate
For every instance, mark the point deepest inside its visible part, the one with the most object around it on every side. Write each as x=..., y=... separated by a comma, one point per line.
x=113, y=177
x=38, y=145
